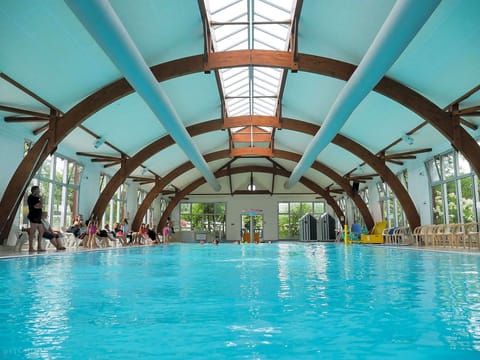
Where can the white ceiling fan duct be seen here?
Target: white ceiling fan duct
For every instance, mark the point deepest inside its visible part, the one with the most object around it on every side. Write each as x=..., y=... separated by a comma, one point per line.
x=402, y=24
x=101, y=21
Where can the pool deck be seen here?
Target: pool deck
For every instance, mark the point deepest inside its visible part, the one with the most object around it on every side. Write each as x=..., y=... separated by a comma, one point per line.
x=7, y=252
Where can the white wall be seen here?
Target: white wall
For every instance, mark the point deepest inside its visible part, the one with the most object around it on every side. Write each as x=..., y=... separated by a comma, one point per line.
x=374, y=201
x=89, y=189
x=234, y=207
x=131, y=201
x=156, y=212
x=419, y=190
x=11, y=148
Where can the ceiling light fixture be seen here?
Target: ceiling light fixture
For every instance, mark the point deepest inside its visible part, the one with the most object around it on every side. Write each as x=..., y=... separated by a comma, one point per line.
x=100, y=141
x=408, y=139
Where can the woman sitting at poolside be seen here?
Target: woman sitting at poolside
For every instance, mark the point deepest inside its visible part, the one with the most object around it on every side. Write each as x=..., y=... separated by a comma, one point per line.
x=152, y=235
x=141, y=236
x=50, y=234
x=78, y=228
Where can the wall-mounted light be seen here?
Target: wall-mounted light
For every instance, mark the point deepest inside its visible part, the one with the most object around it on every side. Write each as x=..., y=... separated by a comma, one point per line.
x=251, y=186
x=100, y=141
x=408, y=139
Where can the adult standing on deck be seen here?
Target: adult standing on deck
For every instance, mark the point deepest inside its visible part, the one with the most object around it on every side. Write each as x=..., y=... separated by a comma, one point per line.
x=35, y=217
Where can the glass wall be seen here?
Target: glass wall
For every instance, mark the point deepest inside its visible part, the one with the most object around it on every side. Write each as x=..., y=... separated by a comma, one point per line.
x=289, y=213
x=116, y=209
x=392, y=210
x=59, y=182
x=209, y=217
x=148, y=217
x=357, y=216
x=454, y=189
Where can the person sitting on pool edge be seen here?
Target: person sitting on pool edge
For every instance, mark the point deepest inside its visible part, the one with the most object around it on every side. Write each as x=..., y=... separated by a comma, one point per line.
x=152, y=235
x=50, y=234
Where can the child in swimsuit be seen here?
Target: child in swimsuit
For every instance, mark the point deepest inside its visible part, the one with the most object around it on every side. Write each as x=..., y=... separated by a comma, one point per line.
x=92, y=232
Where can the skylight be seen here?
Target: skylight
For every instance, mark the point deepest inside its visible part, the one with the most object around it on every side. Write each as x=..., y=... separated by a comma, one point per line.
x=250, y=24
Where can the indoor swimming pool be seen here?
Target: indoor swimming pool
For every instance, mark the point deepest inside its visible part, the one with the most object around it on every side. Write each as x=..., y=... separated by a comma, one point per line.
x=267, y=301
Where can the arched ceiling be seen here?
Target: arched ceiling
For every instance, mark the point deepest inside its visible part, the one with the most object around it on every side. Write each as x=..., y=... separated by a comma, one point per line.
x=46, y=50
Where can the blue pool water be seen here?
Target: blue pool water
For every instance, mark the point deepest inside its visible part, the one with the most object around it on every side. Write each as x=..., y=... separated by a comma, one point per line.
x=269, y=301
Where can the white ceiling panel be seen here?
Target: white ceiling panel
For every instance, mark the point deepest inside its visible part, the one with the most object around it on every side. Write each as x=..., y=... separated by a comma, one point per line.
x=47, y=50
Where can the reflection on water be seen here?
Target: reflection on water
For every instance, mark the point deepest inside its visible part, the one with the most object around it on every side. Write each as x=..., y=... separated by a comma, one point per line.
x=267, y=301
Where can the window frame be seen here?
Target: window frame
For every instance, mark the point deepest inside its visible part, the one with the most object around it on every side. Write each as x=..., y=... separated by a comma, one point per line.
x=292, y=225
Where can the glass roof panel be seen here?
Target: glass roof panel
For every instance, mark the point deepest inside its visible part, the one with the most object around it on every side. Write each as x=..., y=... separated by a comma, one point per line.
x=250, y=24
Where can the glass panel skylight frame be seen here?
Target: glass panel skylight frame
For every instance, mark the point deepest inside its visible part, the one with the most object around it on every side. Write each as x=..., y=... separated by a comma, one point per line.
x=250, y=24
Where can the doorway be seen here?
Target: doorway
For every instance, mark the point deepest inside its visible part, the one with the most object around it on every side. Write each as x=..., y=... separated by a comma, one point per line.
x=251, y=222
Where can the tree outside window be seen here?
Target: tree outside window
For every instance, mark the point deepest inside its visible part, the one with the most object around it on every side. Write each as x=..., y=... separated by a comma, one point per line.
x=454, y=189
x=290, y=213
x=59, y=182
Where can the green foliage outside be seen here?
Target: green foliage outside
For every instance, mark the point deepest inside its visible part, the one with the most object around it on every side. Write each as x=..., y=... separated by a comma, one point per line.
x=289, y=214
x=208, y=217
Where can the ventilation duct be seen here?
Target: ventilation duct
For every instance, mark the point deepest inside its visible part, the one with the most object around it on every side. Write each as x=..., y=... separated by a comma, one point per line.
x=402, y=24
x=103, y=24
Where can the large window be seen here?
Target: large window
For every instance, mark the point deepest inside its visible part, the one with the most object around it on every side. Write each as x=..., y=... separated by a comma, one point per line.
x=392, y=210
x=454, y=189
x=342, y=204
x=289, y=213
x=59, y=182
x=148, y=217
x=357, y=216
x=208, y=217
x=116, y=209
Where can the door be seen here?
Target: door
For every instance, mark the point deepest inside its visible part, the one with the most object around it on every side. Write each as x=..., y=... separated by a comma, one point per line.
x=249, y=223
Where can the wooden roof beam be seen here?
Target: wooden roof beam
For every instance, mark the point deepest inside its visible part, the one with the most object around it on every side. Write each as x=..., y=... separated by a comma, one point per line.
x=462, y=98
x=113, y=163
x=252, y=137
x=249, y=120
x=468, y=110
x=342, y=182
x=99, y=156
x=395, y=162
x=254, y=192
x=250, y=151
x=24, y=119
x=16, y=110
x=362, y=177
x=406, y=153
x=29, y=93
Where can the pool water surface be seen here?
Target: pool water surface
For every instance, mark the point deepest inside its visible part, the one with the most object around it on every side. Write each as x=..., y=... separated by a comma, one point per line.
x=267, y=301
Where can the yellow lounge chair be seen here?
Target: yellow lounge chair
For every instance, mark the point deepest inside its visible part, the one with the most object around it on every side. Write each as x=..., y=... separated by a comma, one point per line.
x=375, y=236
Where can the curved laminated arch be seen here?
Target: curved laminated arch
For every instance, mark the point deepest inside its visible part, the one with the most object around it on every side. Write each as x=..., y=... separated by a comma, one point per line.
x=246, y=169
x=147, y=152
x=160, y=184
x=441, y=120
x=167, y=179
x=340, y=180
x=289, y=124
x=373, y=161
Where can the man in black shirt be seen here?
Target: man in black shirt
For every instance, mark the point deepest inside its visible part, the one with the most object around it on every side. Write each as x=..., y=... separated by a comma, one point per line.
x=35, y=216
